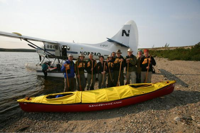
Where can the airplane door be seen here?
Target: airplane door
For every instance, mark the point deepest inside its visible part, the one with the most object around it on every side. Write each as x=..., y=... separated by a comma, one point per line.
x=57, y=50
x=64, y=52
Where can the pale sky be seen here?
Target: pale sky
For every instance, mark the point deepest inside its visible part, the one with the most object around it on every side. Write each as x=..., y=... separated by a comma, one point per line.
x=176, y=22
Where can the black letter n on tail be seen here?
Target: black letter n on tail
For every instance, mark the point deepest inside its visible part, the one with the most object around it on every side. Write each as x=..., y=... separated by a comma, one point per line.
x=124, y=32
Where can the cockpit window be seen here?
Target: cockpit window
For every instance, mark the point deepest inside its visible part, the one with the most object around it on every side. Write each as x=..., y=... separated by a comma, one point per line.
x=68, y=48
x=50, y=46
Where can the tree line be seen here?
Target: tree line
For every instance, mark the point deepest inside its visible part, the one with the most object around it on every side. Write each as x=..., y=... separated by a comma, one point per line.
x=179, y=53
x=16, y=50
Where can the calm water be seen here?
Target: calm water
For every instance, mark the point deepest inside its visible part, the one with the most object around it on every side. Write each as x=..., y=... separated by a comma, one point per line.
x=17, y=82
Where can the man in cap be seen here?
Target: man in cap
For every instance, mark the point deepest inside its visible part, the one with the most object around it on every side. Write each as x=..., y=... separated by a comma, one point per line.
x=118, y=73
x=91, y=69
x=131, y=61
x=110, y=70
x=146, y=65
x=68, y=69
x=80, y=76
x=138, y=71
x=101, y=69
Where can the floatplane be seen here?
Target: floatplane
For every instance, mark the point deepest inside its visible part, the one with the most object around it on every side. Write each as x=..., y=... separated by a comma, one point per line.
x=127, y=37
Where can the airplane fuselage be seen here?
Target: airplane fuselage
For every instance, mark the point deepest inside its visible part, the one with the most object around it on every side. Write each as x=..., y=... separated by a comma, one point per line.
x=104, y=49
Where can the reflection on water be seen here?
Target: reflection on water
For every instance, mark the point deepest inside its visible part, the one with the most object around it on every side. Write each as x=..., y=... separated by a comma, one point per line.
x=52, y=85
x=17, y=82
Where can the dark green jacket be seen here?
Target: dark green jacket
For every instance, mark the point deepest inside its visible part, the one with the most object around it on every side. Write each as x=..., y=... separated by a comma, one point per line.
x=138, y=65
x=132, y=64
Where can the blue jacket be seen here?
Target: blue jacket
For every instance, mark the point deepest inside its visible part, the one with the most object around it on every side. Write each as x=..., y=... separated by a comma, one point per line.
x=70, y=72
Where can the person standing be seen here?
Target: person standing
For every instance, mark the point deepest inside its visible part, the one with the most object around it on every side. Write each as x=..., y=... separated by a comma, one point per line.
x=131, y=62
x=80, y=76
x=110, y=71
x=44, y=69
x=69, y=69
x=101, y=69
x=91, y=70
x=146, y=66
x=118, y=73
x=113, y=56
x=138, y=71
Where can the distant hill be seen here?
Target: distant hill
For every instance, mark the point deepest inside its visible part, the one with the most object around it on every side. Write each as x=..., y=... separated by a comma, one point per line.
x=16, y=50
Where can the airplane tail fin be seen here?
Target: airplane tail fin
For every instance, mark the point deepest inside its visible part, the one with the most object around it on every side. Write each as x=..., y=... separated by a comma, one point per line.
x=127, y=36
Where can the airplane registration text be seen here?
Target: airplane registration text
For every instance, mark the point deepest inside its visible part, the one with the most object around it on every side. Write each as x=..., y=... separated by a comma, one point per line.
x=87, y=53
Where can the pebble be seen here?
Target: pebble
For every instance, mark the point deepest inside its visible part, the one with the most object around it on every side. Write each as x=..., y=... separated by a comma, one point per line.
x=198, y=124
x=177, y=119
x=193, y=118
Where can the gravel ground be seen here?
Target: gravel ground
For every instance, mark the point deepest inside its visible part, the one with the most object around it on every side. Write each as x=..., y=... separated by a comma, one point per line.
x=176, y=112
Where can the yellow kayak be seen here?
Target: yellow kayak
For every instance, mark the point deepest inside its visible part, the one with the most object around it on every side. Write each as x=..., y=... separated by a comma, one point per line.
x=100, y=99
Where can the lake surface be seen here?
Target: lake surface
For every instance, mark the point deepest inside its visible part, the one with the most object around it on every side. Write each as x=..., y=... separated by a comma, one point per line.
x=16, y=81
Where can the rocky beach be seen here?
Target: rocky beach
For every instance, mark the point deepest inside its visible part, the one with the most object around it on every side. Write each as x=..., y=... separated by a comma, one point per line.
x=177, y=112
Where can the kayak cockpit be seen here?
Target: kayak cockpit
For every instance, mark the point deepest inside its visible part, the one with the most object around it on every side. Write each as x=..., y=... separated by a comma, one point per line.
x=140, y=85
x=59, y=95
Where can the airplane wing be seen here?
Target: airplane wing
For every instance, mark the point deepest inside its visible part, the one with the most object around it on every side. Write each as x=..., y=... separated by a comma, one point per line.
x=20, y=36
